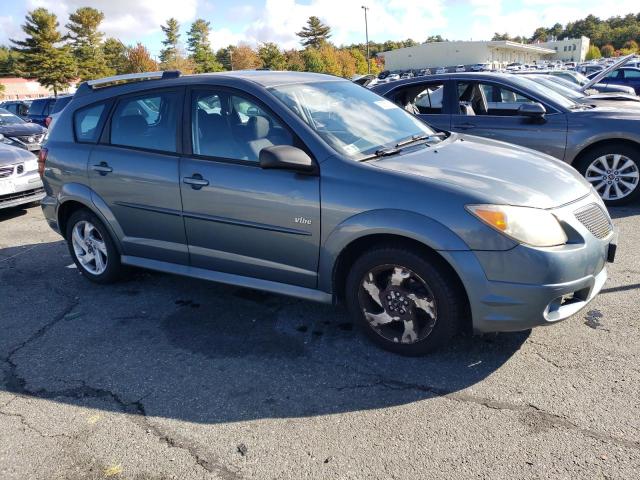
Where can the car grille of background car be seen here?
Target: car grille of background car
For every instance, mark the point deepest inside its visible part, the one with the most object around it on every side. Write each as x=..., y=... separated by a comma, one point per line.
x=595, y=220
x=6, y=171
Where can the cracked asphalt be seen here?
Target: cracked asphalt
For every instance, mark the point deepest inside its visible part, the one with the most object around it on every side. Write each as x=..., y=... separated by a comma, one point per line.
x=162, y=377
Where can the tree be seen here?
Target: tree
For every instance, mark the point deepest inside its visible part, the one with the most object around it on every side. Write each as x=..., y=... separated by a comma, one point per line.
x=139, y=60
x=435, y=38
x=9, y=60
x=313, y=61
x=170, y=53
x=86, y=42
x=631, y=46
x=245, y=58
x=115, y=56
x=540, y=35
x=607, y=50
x=314, y=33
x=42, y=56
x=271, y=56
x=294, y=60
x=500, y=37
x=593, y=53
x=224, y=56
x=200, y=48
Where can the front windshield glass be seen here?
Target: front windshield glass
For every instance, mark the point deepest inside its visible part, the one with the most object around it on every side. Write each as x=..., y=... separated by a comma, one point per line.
x=353, y=120
x=543, y=91
x=8, y=118
x=557, y=87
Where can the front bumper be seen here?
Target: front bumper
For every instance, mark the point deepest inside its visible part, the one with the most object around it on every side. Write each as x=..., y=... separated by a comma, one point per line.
x=19, y=189
x=526, y=287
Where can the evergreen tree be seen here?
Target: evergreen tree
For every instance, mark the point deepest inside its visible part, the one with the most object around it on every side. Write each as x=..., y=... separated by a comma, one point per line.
x=115, y=56
x=271, y=56
x=86, y=42
x=41, y=55
x=224, y=56
x=169, y=54
x=199, y=47
x=314, y=33
x=9, y=60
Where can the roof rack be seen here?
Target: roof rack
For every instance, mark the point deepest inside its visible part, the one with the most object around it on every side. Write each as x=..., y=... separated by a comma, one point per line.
x=91, y=85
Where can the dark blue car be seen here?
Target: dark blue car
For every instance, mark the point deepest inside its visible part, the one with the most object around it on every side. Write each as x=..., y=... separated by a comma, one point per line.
x=40, y=109
x=628, y=76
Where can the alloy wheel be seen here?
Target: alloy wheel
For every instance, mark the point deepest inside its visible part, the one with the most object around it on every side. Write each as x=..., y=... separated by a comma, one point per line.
x=89, y=247
x=397, y=304
x=614, y=176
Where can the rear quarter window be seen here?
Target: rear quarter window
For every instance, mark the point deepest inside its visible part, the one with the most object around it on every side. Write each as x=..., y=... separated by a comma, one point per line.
x=87, y=122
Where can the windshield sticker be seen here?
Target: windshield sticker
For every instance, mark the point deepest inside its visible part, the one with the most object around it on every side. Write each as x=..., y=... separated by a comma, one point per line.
x=385, y=104
x=351, y=149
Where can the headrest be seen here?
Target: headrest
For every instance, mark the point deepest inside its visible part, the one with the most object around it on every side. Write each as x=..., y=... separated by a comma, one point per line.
x=258, y=127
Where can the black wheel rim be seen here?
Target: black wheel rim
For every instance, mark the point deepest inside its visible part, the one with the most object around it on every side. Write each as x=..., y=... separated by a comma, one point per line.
x=397, y=304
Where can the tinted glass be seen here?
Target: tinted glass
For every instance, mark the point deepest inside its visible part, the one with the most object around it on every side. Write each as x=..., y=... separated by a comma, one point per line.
x=8, y=118
x=631, y=73
x=233, y=126
x=353, y=120
x=86, y=122
x=37, y=107
x=60, y=104
x=146, y=121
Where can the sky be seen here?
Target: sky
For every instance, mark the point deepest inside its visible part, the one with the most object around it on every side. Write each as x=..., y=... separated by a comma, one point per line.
x=255, y=21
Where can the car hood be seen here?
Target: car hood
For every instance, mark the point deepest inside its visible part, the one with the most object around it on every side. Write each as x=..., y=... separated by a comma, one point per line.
x=11, y=155
x=493, y=171
x=21, y=129
x=617, y=111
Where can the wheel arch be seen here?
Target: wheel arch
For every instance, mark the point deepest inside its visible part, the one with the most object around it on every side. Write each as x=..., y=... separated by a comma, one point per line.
x=600, y=143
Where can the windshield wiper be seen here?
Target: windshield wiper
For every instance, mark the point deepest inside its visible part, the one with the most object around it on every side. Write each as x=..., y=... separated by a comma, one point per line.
x=413, y=138
x=382, y=152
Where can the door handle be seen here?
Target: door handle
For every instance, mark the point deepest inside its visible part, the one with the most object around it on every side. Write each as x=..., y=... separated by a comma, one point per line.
x=465, y=126
x=196, y=181
x=103, y=168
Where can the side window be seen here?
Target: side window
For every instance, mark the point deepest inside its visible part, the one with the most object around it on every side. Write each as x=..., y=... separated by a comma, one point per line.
x=146, y=121
x=489, y=99
x=233, y=127
x=631, y=73
x=423, y=99
x=86, y=121
x=37, y=107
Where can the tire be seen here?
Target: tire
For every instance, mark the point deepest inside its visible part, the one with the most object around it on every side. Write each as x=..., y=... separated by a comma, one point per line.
x=604, y=155
x=432, y=330
x=100, y=243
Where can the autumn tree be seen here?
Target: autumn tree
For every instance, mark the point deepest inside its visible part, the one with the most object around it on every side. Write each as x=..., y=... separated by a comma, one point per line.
x=245, y=58
x=314, y=33
x=86, y=42
x=42, y=55
x=139, y=60
x=199, y=47
x=271, y=56
x=607, y=50
x=313, y=60
x=115, y=56
x=294, y=60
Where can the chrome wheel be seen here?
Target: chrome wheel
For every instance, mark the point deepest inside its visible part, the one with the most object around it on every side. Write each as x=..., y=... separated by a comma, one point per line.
x=397, y=304
x=614, y=176
x=89, y=247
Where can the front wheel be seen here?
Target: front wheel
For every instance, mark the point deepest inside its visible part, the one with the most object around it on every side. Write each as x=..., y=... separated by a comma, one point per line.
x=405, y=302
x=614, y=171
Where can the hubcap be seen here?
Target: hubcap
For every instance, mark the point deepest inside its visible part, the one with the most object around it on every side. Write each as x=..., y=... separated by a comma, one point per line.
x=614, y=176
x=398, y=304
x=89, y=247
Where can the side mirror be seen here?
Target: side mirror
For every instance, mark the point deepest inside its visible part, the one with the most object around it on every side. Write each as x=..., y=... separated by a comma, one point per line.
x=532, y=110
x=286, y=157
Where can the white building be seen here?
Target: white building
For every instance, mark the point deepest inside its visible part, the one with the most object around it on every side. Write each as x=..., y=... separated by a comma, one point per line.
x=495, y=53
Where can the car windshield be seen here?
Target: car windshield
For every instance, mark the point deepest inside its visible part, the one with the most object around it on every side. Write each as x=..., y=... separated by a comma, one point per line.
x=8, y=118
x=543, y=91
x=353, y=120
x=557, y=87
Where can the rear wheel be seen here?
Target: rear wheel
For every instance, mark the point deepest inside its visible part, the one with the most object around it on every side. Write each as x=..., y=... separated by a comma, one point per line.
x=404, y=302
x=92, y=247
x=614, y=171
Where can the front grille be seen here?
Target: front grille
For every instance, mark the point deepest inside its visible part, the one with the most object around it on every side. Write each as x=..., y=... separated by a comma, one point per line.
x=16, y=196
x=6, y=171
x=30, y=139
x=595, y=220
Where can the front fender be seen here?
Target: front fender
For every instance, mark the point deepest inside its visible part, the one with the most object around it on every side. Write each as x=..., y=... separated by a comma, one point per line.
x=388, y=222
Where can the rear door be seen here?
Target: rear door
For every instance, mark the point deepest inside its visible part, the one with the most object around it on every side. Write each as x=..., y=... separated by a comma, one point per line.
x=503, y=122
x=134, y=170
x=239, y=218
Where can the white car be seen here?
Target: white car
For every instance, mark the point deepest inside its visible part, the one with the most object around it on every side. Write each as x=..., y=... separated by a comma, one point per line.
x=20, y=182
x=441, y=70
x=460, y=68
x=393, y=77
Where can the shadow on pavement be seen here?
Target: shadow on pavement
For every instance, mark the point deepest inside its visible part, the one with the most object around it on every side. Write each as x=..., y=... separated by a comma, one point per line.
x=184, y=349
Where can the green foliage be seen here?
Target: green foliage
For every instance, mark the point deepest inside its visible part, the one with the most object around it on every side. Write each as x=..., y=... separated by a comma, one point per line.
x=593, y=53
x=435, y=38
x=271, y=56
x=199, y=48
x=115, y=56
x=294, y=60
x=86, y=43
x=313, y=61
x=224, y=56
x=42, y=56
x=170, y=52
x=314, y=33
x=9, y=60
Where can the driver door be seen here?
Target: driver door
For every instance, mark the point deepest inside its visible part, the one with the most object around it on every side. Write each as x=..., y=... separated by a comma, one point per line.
x=503, y=122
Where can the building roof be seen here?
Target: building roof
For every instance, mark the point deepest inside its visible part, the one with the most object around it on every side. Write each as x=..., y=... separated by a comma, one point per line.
x=525, y=47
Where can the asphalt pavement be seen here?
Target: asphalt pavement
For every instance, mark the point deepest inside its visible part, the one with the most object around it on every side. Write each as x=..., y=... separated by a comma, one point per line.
x=162, y=377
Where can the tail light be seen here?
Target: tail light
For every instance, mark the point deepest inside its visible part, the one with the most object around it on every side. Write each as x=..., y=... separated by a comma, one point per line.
x=47, y=122
x=42, y=158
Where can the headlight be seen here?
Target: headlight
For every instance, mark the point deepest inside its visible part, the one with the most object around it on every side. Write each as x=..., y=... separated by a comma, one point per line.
x=532, y=226
x=6, y=140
